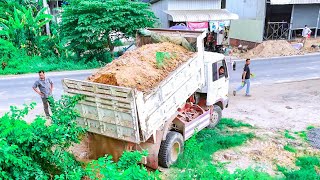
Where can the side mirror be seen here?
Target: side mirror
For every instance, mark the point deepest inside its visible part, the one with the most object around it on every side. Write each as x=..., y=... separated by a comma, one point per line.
x=234, y=65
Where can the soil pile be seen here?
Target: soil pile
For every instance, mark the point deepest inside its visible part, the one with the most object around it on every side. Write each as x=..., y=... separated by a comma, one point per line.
x=271, y=49
x=141, y=68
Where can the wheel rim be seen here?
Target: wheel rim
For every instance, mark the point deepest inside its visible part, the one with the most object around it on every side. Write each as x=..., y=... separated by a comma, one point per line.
x=215, y=117
x=175, y=151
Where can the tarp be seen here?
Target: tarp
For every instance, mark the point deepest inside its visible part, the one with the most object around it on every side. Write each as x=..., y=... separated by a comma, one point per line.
x=198, y=26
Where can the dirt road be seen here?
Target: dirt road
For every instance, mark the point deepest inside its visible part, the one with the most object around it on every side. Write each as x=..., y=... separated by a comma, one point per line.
x=292, y=106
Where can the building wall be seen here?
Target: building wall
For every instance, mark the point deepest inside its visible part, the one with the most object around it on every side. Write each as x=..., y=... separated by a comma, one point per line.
x=247, y=30
x=247, y=9
x=158, y=9
x=194, y=4
x=305, y=15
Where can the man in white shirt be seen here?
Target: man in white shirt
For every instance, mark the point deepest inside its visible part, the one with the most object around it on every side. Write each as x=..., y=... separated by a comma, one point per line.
x=305, y=33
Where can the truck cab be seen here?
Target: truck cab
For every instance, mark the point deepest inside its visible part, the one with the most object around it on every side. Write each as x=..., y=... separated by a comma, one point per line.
x=215, y=89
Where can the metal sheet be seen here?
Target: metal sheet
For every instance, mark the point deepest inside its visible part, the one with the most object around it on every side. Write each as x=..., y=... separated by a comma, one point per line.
x=305, y=15
x=247, y=30
x=193, y=4
x=201, y=15
x=279, y=2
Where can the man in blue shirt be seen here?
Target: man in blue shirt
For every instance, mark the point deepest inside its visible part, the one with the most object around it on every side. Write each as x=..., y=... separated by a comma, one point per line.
x=44, y=86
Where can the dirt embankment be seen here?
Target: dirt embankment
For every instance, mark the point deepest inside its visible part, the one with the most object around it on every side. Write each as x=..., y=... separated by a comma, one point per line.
x=274, y=48
x=269, y=49
x=143, y=68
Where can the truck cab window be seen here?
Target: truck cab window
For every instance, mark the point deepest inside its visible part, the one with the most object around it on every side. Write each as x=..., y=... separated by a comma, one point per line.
x=225, y=70
x=215, y=72
x=222, y=65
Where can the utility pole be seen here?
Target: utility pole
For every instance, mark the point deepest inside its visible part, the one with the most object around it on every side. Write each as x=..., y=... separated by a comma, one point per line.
x=45, y=4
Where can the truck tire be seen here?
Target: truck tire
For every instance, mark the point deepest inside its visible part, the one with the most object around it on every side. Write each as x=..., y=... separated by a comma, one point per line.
x=170, y=149
x=215, y=116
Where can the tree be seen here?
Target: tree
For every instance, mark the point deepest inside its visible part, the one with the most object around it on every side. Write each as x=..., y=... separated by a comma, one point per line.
x=87, y=24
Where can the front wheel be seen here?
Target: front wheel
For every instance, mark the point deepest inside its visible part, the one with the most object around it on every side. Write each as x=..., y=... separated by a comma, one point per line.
x=215, y=116
x=170, y=149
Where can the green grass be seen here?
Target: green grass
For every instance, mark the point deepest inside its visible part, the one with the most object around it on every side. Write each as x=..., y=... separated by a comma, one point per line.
x=310, y=127
x=288, y=135
x=302, y=134
x=28, y=64
x=290, y=148
x=196, y=161
x=231, y=123
x=307, y=169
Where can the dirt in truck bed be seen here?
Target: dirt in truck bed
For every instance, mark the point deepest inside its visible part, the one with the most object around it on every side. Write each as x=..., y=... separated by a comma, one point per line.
x=140, y=69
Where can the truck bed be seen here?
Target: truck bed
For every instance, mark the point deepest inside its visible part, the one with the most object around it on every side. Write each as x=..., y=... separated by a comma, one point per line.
x=128, y=114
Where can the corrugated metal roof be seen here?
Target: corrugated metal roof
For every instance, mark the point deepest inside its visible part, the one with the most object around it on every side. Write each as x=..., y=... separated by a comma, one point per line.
x=201, y=15
x=279, y=2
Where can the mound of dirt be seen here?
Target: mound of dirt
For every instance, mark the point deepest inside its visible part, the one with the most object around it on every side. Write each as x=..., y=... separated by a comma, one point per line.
x=271, y=49
x=139, y=68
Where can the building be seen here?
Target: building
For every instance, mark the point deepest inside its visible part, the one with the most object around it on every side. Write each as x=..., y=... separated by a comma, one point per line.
x=272, y=19
x=203, y=15
x=171, y=12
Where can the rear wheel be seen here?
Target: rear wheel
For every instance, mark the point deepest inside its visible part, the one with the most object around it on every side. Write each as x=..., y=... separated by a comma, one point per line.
x=170, y=149
x=215, y=116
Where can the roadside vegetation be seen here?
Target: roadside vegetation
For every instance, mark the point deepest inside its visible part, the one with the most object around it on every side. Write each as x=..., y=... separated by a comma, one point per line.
x=39, y=150
x=197, y=160
x=82, y=40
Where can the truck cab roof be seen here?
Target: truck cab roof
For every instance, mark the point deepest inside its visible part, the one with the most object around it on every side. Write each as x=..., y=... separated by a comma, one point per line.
x=211, y=57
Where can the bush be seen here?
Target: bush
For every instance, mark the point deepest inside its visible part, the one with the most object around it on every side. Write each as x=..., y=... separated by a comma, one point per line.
x=37, y=150
x=127, y=168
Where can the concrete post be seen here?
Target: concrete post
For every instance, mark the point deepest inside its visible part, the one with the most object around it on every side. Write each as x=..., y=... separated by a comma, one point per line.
x=315, y=33
x=291, y=20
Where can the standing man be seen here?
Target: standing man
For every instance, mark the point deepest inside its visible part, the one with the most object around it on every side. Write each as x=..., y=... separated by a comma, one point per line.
x=245, y=79
x=44, y=86
x=305, y=34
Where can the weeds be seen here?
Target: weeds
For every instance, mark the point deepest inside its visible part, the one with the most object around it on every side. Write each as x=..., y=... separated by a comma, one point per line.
x=231, y=123
x=290, y=148
x=161, y=57
x=307, y=169
x=310, y=127
x=196, y=160
x=288, y=135
x=302, y=134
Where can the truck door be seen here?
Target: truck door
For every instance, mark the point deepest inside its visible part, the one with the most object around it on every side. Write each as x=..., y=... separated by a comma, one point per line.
x=213, y=83
x=224, y=81
x=218, y=82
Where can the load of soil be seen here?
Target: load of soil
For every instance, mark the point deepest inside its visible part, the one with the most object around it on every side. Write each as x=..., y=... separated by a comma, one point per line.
x=271, y=48
x=139, y=68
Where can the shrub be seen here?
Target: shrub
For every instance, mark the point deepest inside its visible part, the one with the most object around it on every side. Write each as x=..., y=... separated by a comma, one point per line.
x=37, y=150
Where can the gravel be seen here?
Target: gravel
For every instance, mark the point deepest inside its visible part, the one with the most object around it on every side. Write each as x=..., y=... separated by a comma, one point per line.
x=314, y=137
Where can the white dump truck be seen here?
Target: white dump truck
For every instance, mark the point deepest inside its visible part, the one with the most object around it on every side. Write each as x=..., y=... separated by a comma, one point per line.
x=190, y=99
